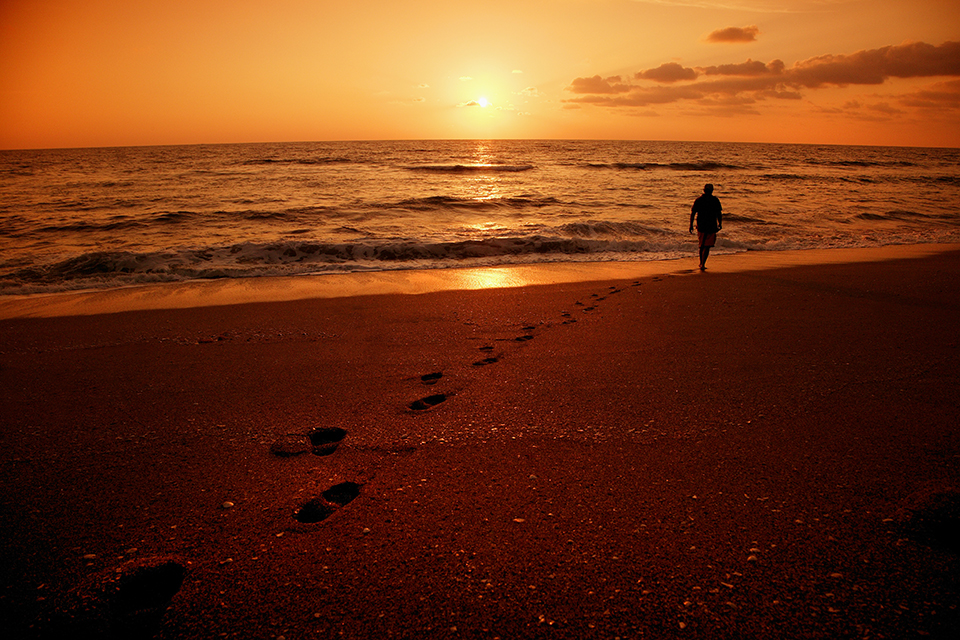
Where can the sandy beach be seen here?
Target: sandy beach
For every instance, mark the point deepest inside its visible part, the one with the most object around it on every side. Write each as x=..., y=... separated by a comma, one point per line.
x=765, y=450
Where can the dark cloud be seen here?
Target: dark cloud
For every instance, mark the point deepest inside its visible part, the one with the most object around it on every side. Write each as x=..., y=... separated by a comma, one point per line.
x=780, y=95
x=598, y=85
x=748, y=68
x=668, y=72
x=754, y=80
x=734, y=34
x=909, y=60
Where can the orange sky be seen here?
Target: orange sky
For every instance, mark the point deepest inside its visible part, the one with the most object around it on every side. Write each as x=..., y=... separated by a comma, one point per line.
x=118, y=72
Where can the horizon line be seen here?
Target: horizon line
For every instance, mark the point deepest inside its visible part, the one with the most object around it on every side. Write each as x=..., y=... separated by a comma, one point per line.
x=384, y=140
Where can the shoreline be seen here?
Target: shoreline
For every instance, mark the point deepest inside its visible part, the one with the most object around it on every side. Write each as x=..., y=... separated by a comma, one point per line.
x=203, y=293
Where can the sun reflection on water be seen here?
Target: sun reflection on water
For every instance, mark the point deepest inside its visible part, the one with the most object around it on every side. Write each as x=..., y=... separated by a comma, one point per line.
x=491, y=278
x=484, y=186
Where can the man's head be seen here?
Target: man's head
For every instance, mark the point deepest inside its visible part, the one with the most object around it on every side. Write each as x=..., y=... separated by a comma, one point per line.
x=708, y=189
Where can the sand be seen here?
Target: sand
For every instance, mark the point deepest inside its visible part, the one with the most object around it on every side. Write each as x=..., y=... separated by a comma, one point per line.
x=767, y=449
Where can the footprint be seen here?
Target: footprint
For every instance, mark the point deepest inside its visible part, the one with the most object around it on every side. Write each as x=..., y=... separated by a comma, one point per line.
x=148, y=585
x=423, y=404
x=485, y=361
x=321, y=441
x=122, y=602
x=523, y=338
x=325, y=440
x=319, y=509
x=292, y=444
x=431, y=378
x=588, y=309
x=342, y=494
x=486, y=348
x=313, y=511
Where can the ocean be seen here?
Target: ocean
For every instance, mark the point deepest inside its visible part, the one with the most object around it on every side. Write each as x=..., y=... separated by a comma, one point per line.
x=103, y=218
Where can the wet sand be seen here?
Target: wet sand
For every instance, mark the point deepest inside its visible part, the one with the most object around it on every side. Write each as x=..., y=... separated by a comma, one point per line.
x=763, y=452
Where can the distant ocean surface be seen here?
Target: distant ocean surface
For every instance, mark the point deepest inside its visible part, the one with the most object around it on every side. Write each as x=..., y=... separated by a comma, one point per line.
x=102, y=218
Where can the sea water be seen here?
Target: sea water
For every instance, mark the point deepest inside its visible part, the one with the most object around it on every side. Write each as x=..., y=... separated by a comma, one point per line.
x=101, y=218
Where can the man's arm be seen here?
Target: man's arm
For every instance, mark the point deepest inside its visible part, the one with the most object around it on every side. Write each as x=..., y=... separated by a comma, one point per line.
x=693, y=215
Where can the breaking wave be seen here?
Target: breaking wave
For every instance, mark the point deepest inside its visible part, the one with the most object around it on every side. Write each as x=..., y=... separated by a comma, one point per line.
x=99, y=269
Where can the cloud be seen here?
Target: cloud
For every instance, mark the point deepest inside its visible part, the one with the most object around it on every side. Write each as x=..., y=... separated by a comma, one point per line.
x=642, y=97
x=668, y=72
x=941, y=95
x=531, y=92
x=471, y=103
x=885, y=108
x=423, y=86
x=734, y=34
x=596, y=84
x=753, y=80
x=465, y=78
x=908, y=60
x=748, y=68
x=516, y=71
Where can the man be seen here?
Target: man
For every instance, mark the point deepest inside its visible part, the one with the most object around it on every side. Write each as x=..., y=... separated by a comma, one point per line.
x=708, y=213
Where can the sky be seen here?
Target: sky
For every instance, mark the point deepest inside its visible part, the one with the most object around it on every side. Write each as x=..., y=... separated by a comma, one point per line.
x=90, y=73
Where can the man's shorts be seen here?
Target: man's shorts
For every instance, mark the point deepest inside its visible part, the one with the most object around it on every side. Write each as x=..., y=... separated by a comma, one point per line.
x=707, y=239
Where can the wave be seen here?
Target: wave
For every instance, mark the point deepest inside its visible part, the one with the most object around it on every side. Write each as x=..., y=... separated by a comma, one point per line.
x=304, y=161
x=603, y=228
x=859, y=163
x=20, y=171
x=739, y=217
x=470, y=168
x=174, y=217
x=290, y=257
x=75, y=227
x=892, y=215
x=785, y=177
x=450, y=202
x=618, y=165
x=674, y=166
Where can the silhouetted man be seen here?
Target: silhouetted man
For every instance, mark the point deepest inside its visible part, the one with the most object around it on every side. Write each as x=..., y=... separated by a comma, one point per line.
x=708, y=213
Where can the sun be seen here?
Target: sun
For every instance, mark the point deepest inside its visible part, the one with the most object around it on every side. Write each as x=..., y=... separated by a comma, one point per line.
x=483, y=102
